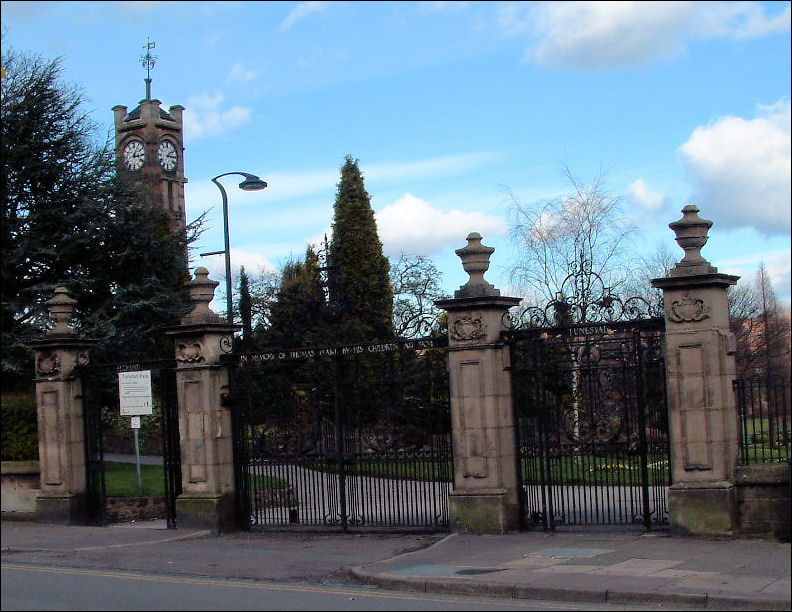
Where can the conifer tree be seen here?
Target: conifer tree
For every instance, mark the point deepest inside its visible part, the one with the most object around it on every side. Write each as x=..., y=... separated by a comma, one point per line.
x=245, y=308
x=296, y=315
x=359, y=272
x=69, y=219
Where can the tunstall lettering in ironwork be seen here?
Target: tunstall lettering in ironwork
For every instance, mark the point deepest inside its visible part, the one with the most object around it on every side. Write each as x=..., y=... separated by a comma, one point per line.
x=340, y=351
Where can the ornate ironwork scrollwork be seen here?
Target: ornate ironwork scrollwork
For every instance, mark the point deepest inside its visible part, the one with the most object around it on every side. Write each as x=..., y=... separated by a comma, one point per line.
x=583, y=298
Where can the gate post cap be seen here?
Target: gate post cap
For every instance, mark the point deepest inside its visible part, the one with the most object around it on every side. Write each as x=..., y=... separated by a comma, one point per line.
x=691, y=235
x=201, y=290
x=61, y=305
x=475, y=261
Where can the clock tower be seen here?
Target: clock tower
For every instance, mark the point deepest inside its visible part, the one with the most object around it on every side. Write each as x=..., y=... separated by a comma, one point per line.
x=150, y=147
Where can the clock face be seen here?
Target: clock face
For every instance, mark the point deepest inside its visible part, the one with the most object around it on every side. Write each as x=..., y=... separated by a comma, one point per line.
x=167, y=156
x=134, y=155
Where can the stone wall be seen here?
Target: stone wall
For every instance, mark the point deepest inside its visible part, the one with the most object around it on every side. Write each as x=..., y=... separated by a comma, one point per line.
x=21, y=484
x=133, y=509
x=764, y=503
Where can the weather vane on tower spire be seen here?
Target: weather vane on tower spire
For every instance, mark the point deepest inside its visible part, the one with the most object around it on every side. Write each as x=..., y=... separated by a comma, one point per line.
x=148, y=60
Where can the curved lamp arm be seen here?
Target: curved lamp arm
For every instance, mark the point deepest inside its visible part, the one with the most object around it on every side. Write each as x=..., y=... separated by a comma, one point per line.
x=251, y=183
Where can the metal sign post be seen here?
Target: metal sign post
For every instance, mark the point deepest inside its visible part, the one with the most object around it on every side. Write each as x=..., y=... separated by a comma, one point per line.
x=135, y=424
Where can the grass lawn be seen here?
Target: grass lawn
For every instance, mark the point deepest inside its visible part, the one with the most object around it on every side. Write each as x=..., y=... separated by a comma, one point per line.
x=121, y=480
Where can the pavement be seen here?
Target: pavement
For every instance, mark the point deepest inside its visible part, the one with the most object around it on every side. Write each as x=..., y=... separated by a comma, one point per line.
x=618, y=566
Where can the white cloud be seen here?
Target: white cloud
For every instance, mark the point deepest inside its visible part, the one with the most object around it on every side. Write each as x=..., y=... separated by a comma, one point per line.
x=595, y=35
x=205, y=117
x=301, y=10
x=26, y=12
x=741, y=169
x=240, y=74
x=739, y=20
x=412, y=225
x=639, y=193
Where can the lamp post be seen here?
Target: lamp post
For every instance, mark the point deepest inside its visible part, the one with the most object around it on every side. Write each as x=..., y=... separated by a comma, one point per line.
x=251, y=183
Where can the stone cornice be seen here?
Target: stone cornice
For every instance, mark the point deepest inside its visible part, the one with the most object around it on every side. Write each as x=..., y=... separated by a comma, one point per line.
x=479, y=302
x=695, y=280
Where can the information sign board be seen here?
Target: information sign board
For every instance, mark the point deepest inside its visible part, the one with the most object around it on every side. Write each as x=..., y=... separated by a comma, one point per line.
x=134, y=392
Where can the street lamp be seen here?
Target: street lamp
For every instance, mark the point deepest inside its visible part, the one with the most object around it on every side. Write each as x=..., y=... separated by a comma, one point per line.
x=251, y=183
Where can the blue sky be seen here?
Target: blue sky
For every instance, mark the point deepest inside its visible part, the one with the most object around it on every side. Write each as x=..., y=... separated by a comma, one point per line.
x=449, y=108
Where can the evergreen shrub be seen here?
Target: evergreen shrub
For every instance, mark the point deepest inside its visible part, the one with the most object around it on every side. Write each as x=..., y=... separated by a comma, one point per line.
x=19, y=432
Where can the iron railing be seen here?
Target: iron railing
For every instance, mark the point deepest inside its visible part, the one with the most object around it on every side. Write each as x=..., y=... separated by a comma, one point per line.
x=592, y=427
x=344, y=437
x=765, y=421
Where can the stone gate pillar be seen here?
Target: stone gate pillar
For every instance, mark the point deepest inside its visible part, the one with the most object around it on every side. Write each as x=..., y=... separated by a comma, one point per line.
x=60, y=417
x=699, y=355
x=486, y=482
x=205, y=431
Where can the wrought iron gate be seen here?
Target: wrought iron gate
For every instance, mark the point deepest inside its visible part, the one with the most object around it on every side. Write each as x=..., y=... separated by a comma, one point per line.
x=346, y=437
x=589, y=395
x=100, y=397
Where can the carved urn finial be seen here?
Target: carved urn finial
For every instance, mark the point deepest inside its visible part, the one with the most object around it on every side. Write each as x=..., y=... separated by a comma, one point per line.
x=691, y=234
x=475, y=260
x=202, y=290
x=61, y=306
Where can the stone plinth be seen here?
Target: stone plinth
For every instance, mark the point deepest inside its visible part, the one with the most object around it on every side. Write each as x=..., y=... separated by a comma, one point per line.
x=60, y=417
x=699, y=356
x=205, y=429
x=486, y=482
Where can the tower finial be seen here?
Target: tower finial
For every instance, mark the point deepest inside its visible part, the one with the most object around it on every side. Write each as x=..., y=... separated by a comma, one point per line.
x=148, y=60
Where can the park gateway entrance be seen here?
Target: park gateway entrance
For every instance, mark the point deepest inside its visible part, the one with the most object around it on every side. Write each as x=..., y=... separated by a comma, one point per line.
x=101, y=401
x=588, y=381
x=352, y=437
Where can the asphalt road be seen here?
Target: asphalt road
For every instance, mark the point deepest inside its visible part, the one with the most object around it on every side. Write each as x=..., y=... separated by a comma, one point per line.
x=26, y=587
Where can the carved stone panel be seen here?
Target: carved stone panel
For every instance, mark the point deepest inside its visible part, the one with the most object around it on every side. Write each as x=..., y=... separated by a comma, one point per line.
x=694, y=404
x=51, y=436
x=189, y=351
x=688, y=309
x=472, y=420
x=49, y=364
x=194, y=436
x=468, y=329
